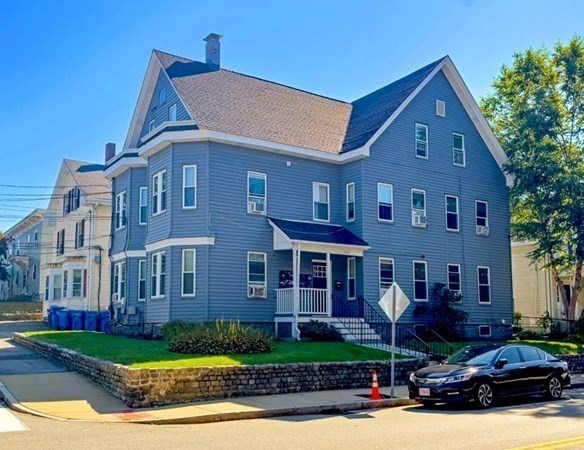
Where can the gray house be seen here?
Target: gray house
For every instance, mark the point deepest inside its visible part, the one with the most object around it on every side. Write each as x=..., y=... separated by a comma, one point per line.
x=241, y=198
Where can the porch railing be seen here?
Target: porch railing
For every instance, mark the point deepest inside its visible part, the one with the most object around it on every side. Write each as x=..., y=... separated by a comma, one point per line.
x=312, y=301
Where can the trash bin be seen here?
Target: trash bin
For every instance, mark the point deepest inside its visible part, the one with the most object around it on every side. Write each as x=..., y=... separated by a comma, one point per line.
x=53, y=317
x=104, y=322
x=77, y=320
x=64, y=319
x=90, y=320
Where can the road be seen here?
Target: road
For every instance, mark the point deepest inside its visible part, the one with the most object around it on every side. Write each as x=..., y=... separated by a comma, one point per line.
x=508, y=426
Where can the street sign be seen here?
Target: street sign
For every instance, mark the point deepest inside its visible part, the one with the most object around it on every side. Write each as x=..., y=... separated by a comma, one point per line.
x=401, y=302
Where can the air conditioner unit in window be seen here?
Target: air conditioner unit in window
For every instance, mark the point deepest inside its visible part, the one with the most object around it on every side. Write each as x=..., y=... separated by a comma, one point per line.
x=255, y=207
x=482, y=230
x=419, y=220
x=257, y=291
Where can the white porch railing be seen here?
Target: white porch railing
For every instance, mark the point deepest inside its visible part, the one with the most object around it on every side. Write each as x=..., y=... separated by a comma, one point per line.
x=312, y=301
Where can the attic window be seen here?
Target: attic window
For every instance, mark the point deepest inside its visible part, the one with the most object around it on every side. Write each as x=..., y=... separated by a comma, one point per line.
x=440, y=108
x=162, y=96
x=151, y=126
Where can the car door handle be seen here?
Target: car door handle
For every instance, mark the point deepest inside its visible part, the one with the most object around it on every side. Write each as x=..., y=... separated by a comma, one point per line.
x=523, y=367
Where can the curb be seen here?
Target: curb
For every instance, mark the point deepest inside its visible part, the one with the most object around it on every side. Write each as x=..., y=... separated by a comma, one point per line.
x=13, y=404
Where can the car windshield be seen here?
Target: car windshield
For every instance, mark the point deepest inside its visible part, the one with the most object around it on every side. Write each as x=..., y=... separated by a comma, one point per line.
x=473, y=356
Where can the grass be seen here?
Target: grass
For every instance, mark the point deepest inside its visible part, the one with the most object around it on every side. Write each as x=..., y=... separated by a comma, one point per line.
x=138, y=353
x=553, y=347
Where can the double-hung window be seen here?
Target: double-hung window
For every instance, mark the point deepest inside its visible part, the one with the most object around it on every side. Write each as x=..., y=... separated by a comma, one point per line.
x=458, y=153
x=120, y=282
x=172, y=113
x=159, y=193
x=34, y=271
x=482, y=217
x=420, y=281
x=484, y=284
x=189, y=187
x=454, y=280
x=143, y=206
x=386, y=275
x=384, y=202
x=57, y=286
x=419, y=208
x=321, y=202
x=60, y=242
x=121, y=210
x=350, y=199
x=451, y=202
x=65, y=284
x=421, y=141
x=80, y=234
x=256, y=274
x=188, y=272
x=142, y=279
x=158, y=275
x=256, y=193
x=77, y=284
x=351, y=278
x=151, y=126
x=47, y=288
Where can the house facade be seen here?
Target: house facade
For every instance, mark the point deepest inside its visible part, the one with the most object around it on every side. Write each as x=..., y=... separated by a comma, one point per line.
x=75, y=267
x=240, y=198
x=25, y=247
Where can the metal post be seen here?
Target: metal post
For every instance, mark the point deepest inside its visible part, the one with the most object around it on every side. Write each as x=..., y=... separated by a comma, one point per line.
x=393, y=314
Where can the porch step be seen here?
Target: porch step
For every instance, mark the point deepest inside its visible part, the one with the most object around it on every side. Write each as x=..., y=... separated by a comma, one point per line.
x=359, y=333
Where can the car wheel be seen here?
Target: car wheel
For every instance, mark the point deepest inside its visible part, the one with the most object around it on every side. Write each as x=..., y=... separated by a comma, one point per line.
x=554, y=388
x=484, y=395
x=428, y=404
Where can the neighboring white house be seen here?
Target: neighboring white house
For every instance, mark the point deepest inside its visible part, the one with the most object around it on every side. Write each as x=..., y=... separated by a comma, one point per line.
x=75, y=268
x=534, y=290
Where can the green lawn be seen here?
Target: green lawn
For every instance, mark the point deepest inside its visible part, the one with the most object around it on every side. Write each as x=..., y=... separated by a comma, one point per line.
x=553, y=347
x=149, y=354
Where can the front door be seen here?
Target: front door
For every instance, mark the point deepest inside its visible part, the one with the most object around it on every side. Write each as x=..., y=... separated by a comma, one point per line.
x=319, y=274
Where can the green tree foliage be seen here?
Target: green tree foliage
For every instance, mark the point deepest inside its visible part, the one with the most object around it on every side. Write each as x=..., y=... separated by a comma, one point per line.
x=442, y=312
x=3, y=255
x=537, y=112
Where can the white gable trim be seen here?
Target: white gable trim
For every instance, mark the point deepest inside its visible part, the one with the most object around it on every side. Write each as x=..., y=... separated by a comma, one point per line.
x=122, y=164
x=174, y=242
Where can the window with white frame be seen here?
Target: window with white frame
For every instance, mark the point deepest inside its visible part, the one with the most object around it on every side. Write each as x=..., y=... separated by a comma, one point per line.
x=158, y=275
x=454, y=279
x=172, y=113
x=441, y=108
x=482, y=217
x=350, y=201
x=452, y=220
x=57, y=286
x=80, y=234
x=189, y=187
x=159, y=193
x=458, y=153
x=421, y=141
x=162, y=96
x=256, y=274
x=384, y=202
x=484, y=330
x=119, y=294
x=121, y=210
x=419, y=208
x=188, y=272
x=47, y=288
x=65, y=284
x=386, y=275
x=143, y=219
x=484, y=284
x=420, y=281
x=351, y=278
x=256, y=193
x=151, y=126
x=320, y=200
x=77, y=285
x=142, y=279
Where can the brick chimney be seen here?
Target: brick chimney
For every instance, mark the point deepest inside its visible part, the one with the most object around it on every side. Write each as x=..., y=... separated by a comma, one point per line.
x=110, y=151
x=213, y=51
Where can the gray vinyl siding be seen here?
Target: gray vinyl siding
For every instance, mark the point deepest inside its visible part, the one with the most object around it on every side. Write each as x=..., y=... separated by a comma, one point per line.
x=189, y=308
x=132, y=291
x=160, y=226
x=392, y=160
x=159, y=113
x=120, y=184
x=158, y=310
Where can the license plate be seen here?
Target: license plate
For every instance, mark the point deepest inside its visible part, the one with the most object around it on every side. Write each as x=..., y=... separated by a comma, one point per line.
x=424, y=392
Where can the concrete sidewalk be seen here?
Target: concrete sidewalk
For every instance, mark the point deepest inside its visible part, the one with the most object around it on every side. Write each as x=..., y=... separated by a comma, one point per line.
x=70, y=396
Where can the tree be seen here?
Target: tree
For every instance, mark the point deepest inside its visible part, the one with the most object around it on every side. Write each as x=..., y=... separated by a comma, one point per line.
x=3, y=254
x=537, y=112
x=442, y=313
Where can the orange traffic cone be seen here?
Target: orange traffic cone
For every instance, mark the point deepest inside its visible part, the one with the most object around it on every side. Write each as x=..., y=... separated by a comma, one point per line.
x=375, y=388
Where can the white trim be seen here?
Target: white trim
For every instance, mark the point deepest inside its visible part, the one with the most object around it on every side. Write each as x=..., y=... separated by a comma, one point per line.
x=151, y=125
x=352, y=258
x=128, y=254
x=457, y=229
x=248, y=286
x=158, y=275
x=315, y=188
x=414, y=262
x=485, y=335
x=415, y=211
x=185, y=167
x=265, y=178
x=347, y=219
x=170, y=108
x=379, y=184
x=117, y=287
x=459, y=277
x=174, y=242
x=386, y=261
x=479, y=285
x=120, y=214
x=463, y=149
x=140, y=205
x=486, y=209
x=194, y=272
x=159, y=176
x=140, y=274
x=442, y=104
x=122, y=164
x=427, y=141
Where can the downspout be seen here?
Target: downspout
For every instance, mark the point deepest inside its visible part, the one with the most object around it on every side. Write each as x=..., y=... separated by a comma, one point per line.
x=99, y=278
x=209, y=233
x=89, y=280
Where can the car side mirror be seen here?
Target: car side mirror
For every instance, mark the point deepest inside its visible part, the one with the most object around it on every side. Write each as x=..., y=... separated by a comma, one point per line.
x=501, y=363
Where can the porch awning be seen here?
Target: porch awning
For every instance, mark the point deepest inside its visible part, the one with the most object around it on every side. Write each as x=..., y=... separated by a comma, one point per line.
x=316, y=237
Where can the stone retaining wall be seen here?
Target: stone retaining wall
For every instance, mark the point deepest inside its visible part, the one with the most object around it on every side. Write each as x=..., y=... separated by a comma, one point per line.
x=575, y=362
x=157, y=387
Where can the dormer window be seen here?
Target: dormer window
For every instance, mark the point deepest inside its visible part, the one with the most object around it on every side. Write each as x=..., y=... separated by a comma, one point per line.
x=162, y=96
x=151, y=126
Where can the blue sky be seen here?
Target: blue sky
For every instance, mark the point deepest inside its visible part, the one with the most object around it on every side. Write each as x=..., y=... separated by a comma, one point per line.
x=71, y=71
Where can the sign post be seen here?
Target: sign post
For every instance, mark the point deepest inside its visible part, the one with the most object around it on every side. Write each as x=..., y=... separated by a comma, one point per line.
x=393, y=303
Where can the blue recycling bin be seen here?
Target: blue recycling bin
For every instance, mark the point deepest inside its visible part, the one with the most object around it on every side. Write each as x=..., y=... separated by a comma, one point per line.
x=90, y=320
x=53, y=317
x=64, y=319
x=77, y=320
x=104, y=322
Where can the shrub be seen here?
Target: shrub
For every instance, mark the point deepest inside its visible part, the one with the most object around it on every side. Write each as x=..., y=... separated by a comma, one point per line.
x=527, y=335
x=320, y=332
x=442, y=313
x=217, y=338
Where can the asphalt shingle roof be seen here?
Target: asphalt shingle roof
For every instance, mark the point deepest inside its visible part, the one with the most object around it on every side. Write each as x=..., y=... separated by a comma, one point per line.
x=91, y=179
x=317, y=232
x=243, y=105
